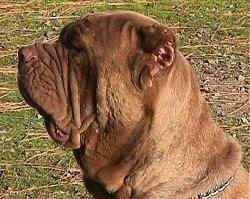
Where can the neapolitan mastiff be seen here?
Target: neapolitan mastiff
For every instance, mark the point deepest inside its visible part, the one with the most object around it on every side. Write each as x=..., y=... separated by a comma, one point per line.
x=115, y=89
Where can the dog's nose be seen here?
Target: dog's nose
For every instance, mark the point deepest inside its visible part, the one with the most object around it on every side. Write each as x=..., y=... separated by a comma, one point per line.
x=27, y=54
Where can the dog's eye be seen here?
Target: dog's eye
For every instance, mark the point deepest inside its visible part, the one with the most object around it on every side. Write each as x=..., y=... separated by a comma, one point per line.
x=78, y=57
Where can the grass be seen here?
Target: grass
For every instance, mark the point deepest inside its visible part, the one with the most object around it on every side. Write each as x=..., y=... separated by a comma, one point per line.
x=214, y=35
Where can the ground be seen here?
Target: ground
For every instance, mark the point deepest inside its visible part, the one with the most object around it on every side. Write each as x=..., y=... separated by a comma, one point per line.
x=213, y=35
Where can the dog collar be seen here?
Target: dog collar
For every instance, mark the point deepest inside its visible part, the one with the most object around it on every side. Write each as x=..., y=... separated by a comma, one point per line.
x=215, y=191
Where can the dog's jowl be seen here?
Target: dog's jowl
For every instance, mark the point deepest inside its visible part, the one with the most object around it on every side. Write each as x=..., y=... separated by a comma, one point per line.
x=115, y=89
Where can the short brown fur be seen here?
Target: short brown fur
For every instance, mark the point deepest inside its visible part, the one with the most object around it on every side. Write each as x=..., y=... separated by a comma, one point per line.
x=132, y=111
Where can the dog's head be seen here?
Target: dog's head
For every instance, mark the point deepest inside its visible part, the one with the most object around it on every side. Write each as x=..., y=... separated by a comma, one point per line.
x=104, y=69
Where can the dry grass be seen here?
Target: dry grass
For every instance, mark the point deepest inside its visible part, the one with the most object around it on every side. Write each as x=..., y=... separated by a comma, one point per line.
x=214, y=36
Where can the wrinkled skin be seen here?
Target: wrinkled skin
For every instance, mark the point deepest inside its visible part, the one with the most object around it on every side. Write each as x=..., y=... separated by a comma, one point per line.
x=46, y=72
x=115, y=89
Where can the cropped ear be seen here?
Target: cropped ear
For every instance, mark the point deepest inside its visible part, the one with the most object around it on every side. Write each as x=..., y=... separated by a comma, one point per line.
x=159, y=46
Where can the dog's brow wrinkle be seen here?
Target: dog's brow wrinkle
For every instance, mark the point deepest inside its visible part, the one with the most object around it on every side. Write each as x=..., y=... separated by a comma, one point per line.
x=65, y=66
x=56, y=59
x=45, y=89
x=47, y=81
x=47, y=66
x=35, y=77
x=52, y=57
x=30, y=70
x=60, y=60
x=32, y=79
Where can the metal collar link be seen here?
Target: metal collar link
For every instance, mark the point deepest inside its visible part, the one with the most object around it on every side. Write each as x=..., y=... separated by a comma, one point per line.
x=215, y=191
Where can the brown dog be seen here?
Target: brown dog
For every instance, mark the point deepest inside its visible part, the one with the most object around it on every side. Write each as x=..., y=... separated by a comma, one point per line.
x=115, y=89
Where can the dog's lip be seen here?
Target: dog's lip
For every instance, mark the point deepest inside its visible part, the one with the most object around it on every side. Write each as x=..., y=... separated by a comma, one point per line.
x=56, y=133
x=62, y=137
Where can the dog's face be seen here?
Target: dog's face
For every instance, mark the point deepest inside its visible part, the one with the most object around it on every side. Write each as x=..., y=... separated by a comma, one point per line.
x=100, y=71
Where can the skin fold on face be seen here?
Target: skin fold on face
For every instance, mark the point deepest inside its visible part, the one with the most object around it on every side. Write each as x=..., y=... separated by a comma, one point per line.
x=49, y=79
x=86, y=76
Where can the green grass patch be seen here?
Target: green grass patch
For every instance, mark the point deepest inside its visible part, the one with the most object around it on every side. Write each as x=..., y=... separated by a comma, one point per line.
x=215, y=35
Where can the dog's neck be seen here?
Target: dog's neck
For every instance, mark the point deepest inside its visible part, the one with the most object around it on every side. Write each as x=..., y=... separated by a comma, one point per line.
x=186, y=139
x=197, y=152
